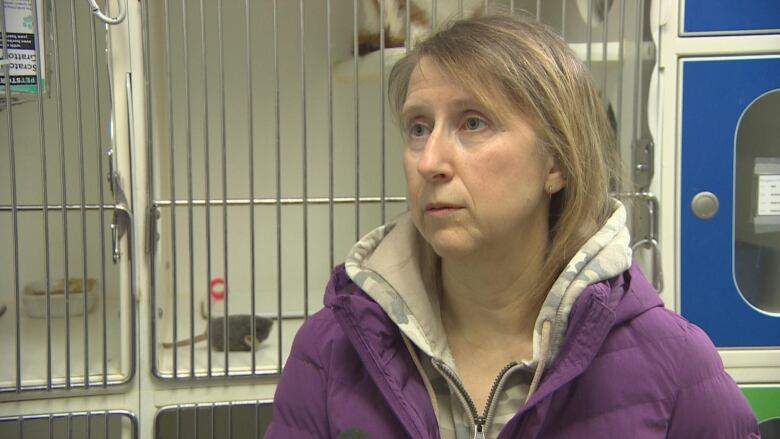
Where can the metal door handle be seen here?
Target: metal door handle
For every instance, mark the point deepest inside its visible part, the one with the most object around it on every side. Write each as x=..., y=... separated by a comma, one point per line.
x=651, y=237
x=658, y=274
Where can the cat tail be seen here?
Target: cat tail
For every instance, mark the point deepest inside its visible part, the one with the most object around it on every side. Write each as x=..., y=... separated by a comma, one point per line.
x=185, y=342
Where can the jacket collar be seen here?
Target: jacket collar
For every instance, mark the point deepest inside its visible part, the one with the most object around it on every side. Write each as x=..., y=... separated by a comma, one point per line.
x=386, y=264
x=599, y=308
x=377, y=341
x=383, y=353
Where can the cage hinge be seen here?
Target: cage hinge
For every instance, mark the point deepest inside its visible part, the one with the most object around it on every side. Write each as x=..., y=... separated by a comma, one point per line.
x=643, y=168
x=152, y=235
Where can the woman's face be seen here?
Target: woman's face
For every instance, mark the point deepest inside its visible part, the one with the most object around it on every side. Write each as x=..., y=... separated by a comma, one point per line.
x=476, y=184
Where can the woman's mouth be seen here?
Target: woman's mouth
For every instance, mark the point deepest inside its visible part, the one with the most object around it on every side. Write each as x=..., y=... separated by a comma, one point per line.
x=441, y=210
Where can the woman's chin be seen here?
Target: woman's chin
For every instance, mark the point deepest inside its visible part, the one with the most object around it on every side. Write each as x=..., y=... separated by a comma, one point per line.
x=451, y=246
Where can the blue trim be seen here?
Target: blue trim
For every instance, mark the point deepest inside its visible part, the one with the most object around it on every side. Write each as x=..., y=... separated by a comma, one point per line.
x=715, y=93
x=732, y=16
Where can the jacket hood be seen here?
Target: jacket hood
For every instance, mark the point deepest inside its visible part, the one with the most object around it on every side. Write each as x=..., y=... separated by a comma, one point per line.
x=605, y=255
x=385, y=264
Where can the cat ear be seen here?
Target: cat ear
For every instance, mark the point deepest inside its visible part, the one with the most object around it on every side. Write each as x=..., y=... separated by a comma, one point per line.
x=248, y=341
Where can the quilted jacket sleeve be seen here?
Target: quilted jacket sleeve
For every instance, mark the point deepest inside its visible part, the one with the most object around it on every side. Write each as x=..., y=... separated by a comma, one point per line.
x=299, y=408
x=708, y=403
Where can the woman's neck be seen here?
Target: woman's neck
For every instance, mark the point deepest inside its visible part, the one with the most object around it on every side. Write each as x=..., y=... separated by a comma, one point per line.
x=491, y=299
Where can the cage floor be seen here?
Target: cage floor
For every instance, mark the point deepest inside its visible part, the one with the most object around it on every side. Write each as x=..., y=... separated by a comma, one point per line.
x=239, y=363
x=33, y=347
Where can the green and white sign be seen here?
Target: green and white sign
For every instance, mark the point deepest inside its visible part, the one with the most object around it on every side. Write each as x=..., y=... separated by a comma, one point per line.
x=20, y=54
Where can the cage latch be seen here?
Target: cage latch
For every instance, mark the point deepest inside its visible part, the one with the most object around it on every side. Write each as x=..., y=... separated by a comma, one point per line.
x=646, y=224
x=643, y=163
x=122, y=218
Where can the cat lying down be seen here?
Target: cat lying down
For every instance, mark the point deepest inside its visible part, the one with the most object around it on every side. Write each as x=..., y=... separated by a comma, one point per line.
x=239, y=332
x=420, y=20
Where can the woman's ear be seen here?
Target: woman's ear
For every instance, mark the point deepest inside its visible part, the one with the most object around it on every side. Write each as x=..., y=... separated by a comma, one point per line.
x=556, y=178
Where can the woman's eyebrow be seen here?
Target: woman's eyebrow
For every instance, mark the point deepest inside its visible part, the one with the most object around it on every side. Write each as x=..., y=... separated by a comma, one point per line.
x=458, y=103
x=411, y=108
x=466, y=102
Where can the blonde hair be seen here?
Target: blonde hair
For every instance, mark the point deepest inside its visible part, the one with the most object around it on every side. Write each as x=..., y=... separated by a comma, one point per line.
x=539, y=76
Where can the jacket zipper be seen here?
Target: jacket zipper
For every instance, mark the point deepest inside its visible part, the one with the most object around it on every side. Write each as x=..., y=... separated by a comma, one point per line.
x=480, y=422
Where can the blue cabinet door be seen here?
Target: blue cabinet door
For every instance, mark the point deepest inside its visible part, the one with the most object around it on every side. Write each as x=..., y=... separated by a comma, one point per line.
x=715, y=96
x=731, y=17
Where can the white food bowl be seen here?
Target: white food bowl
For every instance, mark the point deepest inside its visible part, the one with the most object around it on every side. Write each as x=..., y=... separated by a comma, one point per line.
x=34, y=298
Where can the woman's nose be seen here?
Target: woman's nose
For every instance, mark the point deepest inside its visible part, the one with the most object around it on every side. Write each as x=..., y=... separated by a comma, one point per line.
x=435, y=161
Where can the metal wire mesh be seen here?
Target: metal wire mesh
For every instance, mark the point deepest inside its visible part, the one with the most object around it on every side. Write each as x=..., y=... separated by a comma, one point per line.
x=110, y=424
x=233, y=420
x=62, y=293
x=272, y=151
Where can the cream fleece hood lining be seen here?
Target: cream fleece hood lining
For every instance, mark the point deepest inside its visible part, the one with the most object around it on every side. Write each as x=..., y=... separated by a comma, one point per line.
x=385, y=264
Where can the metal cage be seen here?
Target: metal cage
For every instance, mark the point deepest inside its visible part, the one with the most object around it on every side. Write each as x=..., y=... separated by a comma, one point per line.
x=68, y=321
x=190, y=161
x=241, y=419
x=109, y=424
x=271, y=150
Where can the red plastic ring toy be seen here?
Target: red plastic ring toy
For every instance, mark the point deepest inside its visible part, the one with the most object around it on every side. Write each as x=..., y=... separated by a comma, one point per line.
x=217, y=294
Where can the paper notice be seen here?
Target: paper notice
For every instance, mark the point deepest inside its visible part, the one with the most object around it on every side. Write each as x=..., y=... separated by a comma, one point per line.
x=768, y=195
x=21, y=54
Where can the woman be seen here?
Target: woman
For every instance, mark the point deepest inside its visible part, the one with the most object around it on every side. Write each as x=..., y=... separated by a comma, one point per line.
x=505, y=303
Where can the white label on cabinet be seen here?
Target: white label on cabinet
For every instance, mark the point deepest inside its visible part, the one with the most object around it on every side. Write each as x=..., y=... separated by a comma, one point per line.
x=769, y=195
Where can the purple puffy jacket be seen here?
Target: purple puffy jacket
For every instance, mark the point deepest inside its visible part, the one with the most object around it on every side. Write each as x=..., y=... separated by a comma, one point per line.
x=628, y=368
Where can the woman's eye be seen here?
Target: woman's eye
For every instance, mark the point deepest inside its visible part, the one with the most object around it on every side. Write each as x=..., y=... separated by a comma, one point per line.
x=474, y=123
x=418, y=130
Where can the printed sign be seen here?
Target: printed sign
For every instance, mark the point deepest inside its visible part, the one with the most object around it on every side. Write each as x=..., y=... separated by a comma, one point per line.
x=768, y=195
x=20, y=55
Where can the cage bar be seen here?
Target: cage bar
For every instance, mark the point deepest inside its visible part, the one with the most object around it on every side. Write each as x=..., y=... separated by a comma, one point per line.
x=221, y=81
x=47, y=262
x=82, y=181
x=304, y=164
x=251, y=148
x=99, y=183
x=278, y=157
x=638, y=70
x=621, y=60
x=604, y=40
x=63, y=188
x=190, y=212
x=207, y=177
x=589, y=36
x=356, y=101
x=331, y=184
x=172, y=180
x=383, y=177
x=563, y=19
